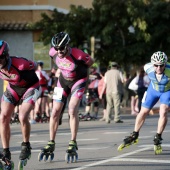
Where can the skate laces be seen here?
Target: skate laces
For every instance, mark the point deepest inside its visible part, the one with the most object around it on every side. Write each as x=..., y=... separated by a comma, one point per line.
x=131, y=138
x=72, y=144
x=49, y=145
x=25, y=147
x=157, y=140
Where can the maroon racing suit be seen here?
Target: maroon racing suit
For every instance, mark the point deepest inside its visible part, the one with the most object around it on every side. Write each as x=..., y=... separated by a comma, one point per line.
x=23, y=83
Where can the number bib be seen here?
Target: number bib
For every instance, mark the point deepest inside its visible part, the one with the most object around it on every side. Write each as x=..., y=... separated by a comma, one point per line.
x=58, y=92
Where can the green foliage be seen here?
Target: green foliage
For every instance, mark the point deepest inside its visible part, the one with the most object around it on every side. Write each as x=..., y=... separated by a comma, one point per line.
x=109, y=21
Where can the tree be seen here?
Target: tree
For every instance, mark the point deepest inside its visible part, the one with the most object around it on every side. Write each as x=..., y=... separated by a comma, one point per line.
x=110, y=21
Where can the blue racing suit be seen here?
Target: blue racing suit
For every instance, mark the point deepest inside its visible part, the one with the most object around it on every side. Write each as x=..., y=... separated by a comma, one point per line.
x=158, y=89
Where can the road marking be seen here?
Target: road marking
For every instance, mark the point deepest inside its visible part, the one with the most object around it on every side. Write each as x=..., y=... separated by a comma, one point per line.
x=15, y=152
x=165, y=131
x=163, y=145
x=34, y=134
x=36, y=141
x=111, y=159
x=93, y=148
x=142, y=160
x=144, y=137
x=87, y=139
x=114, y=133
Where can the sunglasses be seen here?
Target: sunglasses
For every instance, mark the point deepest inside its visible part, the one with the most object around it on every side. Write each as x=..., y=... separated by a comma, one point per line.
x=59, y=48
x=162, y=65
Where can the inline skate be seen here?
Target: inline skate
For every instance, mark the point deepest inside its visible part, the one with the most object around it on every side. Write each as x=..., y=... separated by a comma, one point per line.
x=47, y=152
x=157, y=144
x=45, y=118
x=71, y=154
x=129, y=140
x=38, y=118
x=5, y=161
x=24, y=155
x=15, y=119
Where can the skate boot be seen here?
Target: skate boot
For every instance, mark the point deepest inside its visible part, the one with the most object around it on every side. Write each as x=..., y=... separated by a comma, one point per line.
x=129, y=140
x=45, y=118
x=71, y=154
x=47, y=152
x=38, y=118
x=24, y=155
x=157, y=144
x=5, y=161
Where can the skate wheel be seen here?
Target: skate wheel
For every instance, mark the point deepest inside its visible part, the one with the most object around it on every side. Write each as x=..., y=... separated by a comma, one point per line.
x=70, y=158
x=21, y=164
x=1, y=165
x=157, y=149
x=51, y=157
x=120, y=148
x=45, y=158
x=74, y=158
x=67, y=157
x=12, y=164
x=40, y=156
x=4, y=166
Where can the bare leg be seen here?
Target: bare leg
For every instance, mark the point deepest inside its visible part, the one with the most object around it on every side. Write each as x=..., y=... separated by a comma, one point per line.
x=5, y=117
x=140, y=119
x=73, y=113
x=162, y=118
x=54, y=119
x=24, y=120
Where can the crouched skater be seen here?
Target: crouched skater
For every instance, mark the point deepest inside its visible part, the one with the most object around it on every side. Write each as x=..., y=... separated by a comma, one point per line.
x=23, y=88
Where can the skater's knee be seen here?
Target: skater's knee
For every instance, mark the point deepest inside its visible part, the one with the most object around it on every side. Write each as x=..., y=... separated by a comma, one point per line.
x=55, y=116
x=23, y=119
x=5, y=119
x=72, y=112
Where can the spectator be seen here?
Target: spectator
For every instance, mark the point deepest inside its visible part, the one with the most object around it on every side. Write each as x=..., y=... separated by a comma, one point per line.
x=142, y=81
x=113, y=83
x=100, y=86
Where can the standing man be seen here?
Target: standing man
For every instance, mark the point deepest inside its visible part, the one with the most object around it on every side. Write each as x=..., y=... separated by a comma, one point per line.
x=158, y=71
x=23, y=86
x=73, y=64
x=113, y=83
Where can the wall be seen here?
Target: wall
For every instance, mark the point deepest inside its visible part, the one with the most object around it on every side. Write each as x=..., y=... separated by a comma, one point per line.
x=19, y=43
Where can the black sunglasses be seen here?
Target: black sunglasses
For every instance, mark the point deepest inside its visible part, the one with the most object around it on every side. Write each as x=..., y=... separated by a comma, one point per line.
x=162, y=65
x=59, y=48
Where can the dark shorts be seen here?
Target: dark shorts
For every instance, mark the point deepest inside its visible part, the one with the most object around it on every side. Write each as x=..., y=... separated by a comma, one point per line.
x=17, y=95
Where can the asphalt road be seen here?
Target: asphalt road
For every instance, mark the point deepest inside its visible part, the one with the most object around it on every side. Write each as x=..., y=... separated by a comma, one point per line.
x=97, y=146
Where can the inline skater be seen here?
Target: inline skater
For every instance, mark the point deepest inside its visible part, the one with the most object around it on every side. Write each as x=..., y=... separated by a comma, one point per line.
x=92, y=96
x=73, y=64
x=158, y=71
x=23, y=86
x=41, y=103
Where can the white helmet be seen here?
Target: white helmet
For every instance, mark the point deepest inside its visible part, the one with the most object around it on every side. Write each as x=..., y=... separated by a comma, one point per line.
x=159, y=57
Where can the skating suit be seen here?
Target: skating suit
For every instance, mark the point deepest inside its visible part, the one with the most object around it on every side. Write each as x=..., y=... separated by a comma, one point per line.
x=93, y=96
x=73, y=77
x=23, y=84
x=43, y=81
x=159, y=87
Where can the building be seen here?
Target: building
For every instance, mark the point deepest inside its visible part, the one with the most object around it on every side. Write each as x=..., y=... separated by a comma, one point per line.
x=14, y=17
